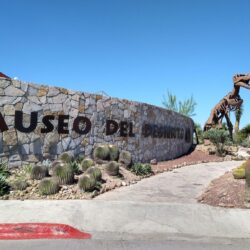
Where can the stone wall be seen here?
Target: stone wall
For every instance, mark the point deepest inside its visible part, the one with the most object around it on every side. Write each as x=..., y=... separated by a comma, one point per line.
x=39, y=122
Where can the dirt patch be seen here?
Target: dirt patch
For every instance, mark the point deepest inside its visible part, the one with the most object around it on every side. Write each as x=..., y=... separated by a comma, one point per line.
x=225, y=191
x=195, y=157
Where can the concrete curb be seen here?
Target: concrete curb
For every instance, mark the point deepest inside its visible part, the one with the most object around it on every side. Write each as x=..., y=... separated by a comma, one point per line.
x=132, y=218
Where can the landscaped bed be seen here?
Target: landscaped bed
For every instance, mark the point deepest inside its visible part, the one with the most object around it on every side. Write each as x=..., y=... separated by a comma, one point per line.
x=127, y=175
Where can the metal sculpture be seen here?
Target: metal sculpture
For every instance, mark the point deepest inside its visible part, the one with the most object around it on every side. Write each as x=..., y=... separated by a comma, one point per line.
x=231, y=102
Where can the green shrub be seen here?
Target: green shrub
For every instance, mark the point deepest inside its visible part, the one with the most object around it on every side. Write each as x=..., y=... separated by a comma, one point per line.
x=95, y=172
x=219, y=137
x=125, y=158
x=63, y=173
x=239, y=173
x=48, y=186
x=87, y=163
x=38, y=172
x=245, y=143
x=113, y=152
x=28, y=169
x=87, y=182
x=141, y=169
x=4, y=171
x=4, y=186
x=112, y=168
x=101, y=152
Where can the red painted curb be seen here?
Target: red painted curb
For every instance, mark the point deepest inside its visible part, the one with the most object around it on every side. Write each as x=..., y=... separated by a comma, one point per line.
x=27, y=231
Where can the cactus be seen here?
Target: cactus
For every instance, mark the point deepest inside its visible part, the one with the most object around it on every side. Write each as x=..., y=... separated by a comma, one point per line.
x=113, y=152
x=101, y=152
x=247, y=173
x=38, y=172
x=65, y=157
x=125, y=158
x=48, y=186
x=239, y=173
x=112, y=168
x=87, y=163
x=86, y=182
x=95, y=172
x=19, y=184
x=63, y=173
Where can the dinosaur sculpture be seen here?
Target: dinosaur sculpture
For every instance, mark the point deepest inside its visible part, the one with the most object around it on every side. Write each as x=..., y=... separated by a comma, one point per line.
x=231, y=102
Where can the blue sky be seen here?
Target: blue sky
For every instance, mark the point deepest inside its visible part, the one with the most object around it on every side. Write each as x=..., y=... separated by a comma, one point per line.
x=133, y=49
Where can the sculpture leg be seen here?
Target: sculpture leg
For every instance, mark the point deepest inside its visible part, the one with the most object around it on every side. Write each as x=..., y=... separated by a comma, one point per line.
x=229, y=125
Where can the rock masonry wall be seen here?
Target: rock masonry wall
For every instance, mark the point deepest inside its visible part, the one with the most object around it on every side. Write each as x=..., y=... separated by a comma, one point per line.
x=147, y=131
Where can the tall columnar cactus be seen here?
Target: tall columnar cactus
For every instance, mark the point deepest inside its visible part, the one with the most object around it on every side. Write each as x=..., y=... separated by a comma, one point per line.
x=113, y=152
x=247, y=186
x=63, y=173
x=125, y=158
x=95, y=172
x=87, y=182
x=65, y=157
x=38, y=172
x=101, y=152
x=48, y=186
x=87, y=163
x=112, y=168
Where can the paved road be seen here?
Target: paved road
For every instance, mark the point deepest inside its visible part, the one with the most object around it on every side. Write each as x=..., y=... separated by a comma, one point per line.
x=182, y=185
x=210, y=244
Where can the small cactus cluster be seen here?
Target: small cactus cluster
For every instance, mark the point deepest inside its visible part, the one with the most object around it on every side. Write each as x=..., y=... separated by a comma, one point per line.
x=125, y=158
x=39, y=172
x=112, y=168
x=19, y=184
x=240, y=172
x=48, y=186
x=247, y=172
x=86, y=163
x=89, y=180
x=63, y=173
x=101, y=152
x=87, y=183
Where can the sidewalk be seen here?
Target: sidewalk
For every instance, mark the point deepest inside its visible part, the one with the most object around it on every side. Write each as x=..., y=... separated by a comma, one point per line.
x=140, y=216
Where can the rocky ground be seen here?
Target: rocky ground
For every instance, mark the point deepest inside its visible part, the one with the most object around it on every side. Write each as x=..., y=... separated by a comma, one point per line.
x=125, y=178
x=225, y=192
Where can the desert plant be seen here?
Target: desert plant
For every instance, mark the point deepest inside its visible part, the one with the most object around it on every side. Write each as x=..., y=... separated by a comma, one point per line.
x=219, y=137
x=65, y=157
x=19, y=184
x=125, y=158
x=27, y=169
x=113, y=152
x=47, y=163
x=63, y=173
x=38, y=172
x=186, y=107
x=87, y=182
x=75, y=167
x=101, y=152
x=245, y=143
x=87, y=163
x=48, y=186
x=4, y=171
x=239, y=173
x=4, y=186
x=112, y=168
x=141, y=169
x=95, y=172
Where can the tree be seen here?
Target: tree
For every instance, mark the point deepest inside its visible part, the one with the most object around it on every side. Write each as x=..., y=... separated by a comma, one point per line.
x=186, y=107
x=238, y=113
